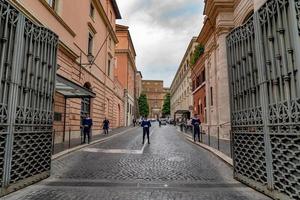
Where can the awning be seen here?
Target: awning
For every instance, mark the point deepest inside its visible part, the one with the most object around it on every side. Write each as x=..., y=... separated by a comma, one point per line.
x=70, y=89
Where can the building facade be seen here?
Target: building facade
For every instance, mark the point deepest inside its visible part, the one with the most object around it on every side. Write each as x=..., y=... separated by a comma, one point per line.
x=220, y=19
x=126, y=71
x=199, y=89
x=86, y=52
x=138, y=91
x=155, y=92
x=180, y=90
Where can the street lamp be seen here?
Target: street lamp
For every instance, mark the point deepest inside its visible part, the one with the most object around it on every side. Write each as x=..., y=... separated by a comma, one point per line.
x=90, y=59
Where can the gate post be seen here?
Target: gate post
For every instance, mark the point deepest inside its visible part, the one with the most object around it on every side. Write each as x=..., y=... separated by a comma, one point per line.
x=263, y=98
x=13, y=96
x=294, y=27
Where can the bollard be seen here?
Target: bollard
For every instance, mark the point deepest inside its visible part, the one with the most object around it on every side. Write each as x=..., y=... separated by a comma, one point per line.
x=69, y=138
x=231, y=143
x=218, y=138
x=201, y=129
x=53, y=141
x=208, y=136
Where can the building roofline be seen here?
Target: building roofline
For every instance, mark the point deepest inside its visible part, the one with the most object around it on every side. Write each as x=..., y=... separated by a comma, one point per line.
x=193, y=40
x=120, y=27
x=139, y=72
x=116, y=9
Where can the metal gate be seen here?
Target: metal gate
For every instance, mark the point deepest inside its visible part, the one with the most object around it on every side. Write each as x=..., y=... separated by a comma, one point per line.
x=27, y=83
x=264, y=70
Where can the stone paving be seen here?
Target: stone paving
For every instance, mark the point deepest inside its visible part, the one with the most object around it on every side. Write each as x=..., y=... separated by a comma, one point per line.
x=168, y=168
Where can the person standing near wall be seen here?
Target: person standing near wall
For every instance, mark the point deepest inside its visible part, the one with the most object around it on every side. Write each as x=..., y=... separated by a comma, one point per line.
x=87, y=124
x=105, y=126
x=196, y=125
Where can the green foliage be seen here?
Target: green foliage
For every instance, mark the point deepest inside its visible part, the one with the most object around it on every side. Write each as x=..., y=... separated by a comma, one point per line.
x=143, y=105
x=167, y=105
x=199, y=50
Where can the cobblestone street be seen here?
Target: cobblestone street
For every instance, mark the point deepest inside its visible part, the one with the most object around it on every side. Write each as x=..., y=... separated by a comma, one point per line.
x=122, y=168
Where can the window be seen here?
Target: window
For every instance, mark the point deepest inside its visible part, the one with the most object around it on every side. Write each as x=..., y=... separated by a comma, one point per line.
x=90, y=43
x=109, y=67
x=211, y=96
x=57, y=117
x=92, y=10
x=110, y=42
x=52, y=3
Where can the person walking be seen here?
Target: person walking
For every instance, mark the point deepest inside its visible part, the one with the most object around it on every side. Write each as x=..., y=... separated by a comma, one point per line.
x=146, y=124
x=196, y=124
x=105, y=126
x=87, y=124
x=134, y=122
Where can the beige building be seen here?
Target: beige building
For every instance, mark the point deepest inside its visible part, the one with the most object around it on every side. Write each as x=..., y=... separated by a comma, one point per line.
x=155, y=92
x=220, y=19
x=181, y=91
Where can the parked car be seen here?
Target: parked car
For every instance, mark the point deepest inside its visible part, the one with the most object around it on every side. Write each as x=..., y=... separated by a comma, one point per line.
x=163, y=121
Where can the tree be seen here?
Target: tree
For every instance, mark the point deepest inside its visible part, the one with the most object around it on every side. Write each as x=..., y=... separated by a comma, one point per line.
x=199, y=50
x=167, y=105
x=143, y=105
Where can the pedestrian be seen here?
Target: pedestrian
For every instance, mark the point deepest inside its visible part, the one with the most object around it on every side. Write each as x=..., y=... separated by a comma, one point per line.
x=134, y=122
x=87, y=124
x=159, y=122
x=146, y=124
x=105, y=126
x=196, y=124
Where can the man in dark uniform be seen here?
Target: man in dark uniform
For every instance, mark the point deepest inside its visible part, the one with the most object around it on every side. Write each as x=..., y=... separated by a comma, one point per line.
x=196, y=124
x=105, y=126
x=146, y=129
x=87, y=124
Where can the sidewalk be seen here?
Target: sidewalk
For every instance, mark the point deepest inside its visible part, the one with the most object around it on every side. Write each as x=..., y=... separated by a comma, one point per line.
x=59, y=147
x=212, y=141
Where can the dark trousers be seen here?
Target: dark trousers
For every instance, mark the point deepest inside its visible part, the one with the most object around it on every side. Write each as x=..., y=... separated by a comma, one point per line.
x=146, y=131
x=86, y=134
x=196, y=133
x=105, y=131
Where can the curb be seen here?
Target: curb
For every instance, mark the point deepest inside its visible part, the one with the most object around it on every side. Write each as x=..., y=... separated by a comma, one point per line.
x=216, y=152
x=68, y=151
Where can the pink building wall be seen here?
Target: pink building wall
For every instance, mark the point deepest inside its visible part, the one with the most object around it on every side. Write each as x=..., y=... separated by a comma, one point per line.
x=72, y=22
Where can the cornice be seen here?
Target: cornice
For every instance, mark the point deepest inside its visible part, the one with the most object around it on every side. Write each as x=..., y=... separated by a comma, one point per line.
x=214, y=7
x=129, y=55
x=103, y=15
x=36, y=20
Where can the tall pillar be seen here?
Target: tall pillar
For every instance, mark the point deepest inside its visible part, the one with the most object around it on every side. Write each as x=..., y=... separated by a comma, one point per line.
x=223, y=99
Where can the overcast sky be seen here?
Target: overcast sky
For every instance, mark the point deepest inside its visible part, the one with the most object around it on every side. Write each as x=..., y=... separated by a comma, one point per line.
x=161, y=31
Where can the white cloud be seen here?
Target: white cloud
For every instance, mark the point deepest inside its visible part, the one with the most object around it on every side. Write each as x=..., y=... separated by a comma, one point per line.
x=161, y=31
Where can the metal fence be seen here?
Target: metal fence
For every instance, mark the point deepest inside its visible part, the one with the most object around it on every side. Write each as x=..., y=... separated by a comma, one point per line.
x=27, y=82
x=213, y=140
x=264, y=69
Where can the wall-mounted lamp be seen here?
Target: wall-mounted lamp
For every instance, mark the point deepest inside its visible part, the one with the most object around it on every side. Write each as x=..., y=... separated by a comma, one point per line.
x=90, y=59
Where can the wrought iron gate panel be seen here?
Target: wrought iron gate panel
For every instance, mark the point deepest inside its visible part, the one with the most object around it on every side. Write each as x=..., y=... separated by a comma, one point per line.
x=27, y=83
x=264, y=68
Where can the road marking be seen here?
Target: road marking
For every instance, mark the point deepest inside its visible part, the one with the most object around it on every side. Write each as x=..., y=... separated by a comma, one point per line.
x=118, y=151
